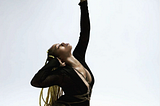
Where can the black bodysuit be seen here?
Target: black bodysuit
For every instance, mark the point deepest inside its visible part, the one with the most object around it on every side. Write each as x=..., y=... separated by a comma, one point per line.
x=75, y=90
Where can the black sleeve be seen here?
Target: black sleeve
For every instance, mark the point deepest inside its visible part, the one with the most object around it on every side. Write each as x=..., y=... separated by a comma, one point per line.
x=81, y=47
x=45, y=77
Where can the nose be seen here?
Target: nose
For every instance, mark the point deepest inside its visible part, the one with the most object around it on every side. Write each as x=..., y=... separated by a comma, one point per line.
x=62, y=43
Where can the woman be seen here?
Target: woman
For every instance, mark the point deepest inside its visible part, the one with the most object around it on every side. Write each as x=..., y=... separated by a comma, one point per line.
x=69, y=71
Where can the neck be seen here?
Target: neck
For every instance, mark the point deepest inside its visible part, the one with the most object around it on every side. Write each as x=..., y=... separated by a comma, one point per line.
x=72, y=61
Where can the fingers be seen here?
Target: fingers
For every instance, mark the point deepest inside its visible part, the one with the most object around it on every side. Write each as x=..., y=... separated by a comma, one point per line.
x=62, y=64
x=82, y=0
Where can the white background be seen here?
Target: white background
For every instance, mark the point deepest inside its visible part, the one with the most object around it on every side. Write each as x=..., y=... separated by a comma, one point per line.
x=123, y=52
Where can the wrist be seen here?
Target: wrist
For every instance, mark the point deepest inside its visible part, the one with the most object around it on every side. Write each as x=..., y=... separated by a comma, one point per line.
x=82, y=0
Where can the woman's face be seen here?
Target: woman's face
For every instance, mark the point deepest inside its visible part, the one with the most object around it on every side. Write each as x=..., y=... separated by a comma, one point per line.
x=61, y=50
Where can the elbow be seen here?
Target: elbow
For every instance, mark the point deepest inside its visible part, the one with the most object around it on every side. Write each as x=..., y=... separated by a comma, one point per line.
x=32, y=83
x=35, y=83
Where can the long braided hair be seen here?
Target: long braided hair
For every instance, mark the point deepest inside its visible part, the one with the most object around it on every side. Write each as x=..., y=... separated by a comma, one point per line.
x=54, y=92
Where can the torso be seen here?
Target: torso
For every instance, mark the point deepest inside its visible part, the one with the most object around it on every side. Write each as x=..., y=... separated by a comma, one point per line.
x=83, y=74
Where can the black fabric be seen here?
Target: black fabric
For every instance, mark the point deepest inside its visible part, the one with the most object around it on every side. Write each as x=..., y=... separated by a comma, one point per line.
x=66, y=77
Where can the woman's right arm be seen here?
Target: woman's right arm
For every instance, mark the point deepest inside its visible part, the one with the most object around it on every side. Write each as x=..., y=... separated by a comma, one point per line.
x=45, y=77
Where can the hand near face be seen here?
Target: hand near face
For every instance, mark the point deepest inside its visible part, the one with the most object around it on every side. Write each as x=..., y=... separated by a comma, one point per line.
x=62, y=64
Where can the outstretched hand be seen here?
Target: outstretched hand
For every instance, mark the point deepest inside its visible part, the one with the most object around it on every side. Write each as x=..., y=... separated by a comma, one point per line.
x=83, y=0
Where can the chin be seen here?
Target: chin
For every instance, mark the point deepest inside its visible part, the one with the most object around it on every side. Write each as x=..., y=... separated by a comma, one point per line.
x=70, y=46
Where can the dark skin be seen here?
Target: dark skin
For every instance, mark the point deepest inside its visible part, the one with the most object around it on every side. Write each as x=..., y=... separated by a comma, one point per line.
x=64, y=55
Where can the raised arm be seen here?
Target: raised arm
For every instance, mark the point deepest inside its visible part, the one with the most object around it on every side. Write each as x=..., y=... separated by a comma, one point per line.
x=81, y=47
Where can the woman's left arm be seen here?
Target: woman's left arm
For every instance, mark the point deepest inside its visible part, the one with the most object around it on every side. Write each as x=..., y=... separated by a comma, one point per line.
x=45, y=76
